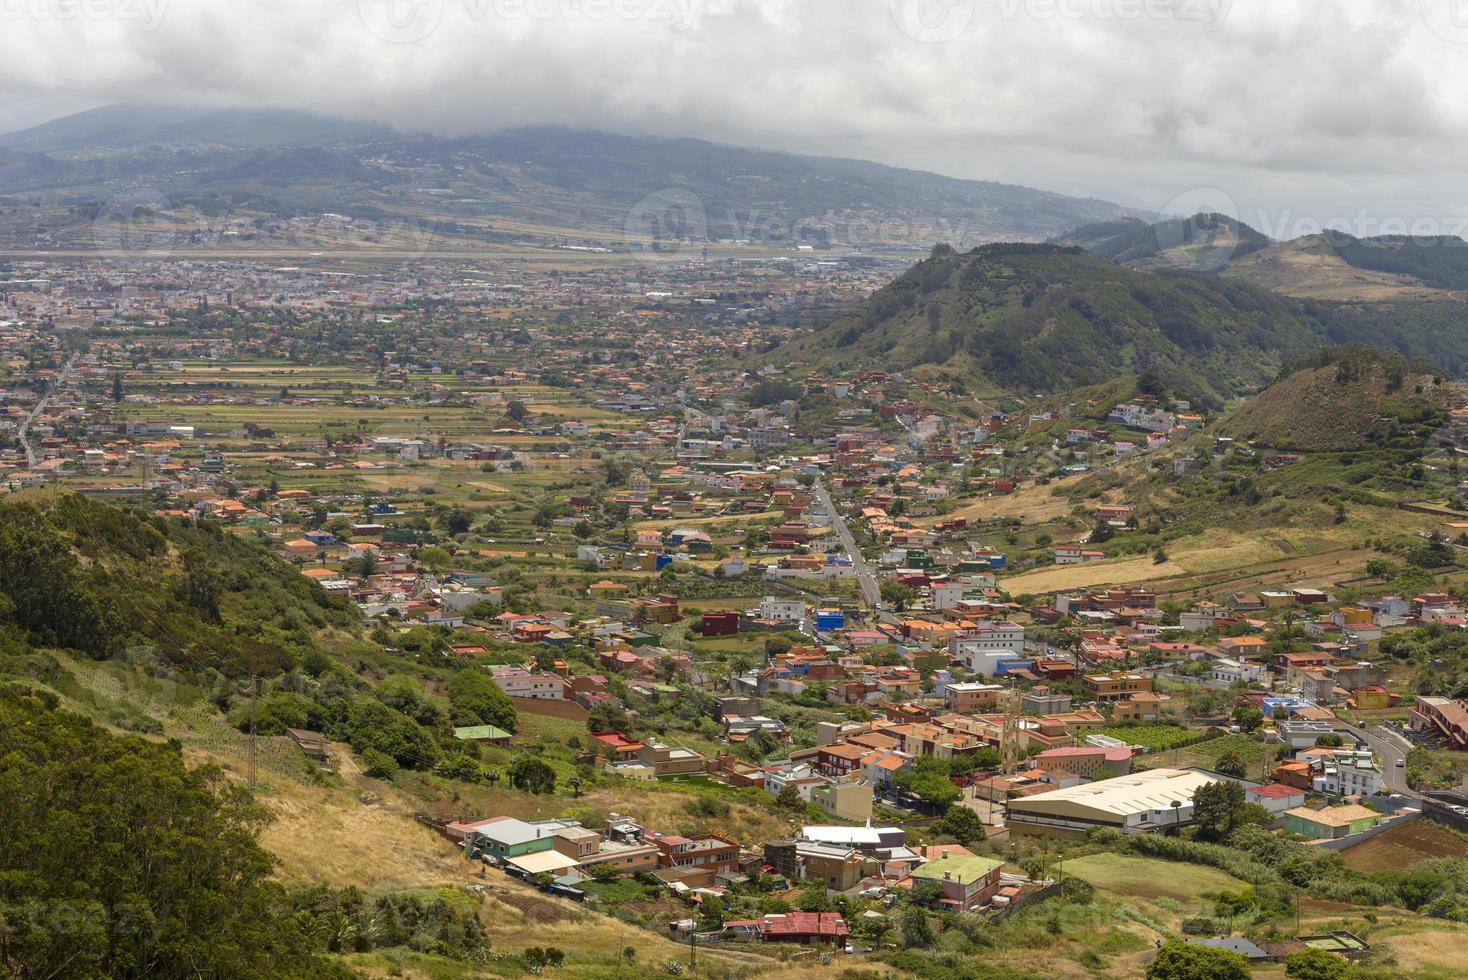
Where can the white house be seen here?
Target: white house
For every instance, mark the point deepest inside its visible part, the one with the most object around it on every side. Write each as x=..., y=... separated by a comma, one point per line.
x=990, y=645
x=782, y=610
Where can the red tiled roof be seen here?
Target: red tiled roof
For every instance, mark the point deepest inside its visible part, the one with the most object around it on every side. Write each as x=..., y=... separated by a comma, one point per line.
x=806, y=924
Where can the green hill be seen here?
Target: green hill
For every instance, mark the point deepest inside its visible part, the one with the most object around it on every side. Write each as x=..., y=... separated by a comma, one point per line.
x=1043, y=318
x=1345, y=399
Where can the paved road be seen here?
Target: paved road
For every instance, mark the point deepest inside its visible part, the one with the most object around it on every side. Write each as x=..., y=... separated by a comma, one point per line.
x=866, y=579
x=1389, y=747
x=40, y=406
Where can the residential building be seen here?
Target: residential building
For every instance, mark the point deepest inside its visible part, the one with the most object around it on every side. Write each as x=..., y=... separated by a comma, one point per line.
x=845, y=800
x=972, y=696
x=1444, y=718
x=1330, y=823
x=1116, y=685
x=1085, y=761
x=967, y=881
x=708, y=852
x=1346, y=772
x=520, y=683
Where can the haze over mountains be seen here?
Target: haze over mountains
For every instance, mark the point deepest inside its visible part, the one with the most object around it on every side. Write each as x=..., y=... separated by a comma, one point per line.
x=568, y=184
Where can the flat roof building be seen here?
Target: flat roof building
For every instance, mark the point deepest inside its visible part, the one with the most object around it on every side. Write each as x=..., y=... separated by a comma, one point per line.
x=1134, y=803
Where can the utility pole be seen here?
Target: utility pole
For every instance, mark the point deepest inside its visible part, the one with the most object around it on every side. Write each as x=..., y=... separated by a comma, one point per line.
x=254, y=743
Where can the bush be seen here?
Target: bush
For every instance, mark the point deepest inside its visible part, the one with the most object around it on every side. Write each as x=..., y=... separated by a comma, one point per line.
x=1316, y=964
x=379, y=765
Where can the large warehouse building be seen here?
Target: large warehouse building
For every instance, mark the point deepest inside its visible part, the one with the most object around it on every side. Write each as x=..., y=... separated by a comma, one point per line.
x=1135, y=803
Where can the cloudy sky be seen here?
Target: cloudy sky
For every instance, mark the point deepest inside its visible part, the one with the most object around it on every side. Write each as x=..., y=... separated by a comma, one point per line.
x=1285, y=111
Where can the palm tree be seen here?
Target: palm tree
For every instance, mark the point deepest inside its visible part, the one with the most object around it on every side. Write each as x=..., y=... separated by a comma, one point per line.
x=575, y=783
x=1177, y=812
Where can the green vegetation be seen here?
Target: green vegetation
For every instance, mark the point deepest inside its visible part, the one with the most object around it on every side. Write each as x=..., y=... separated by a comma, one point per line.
x=1040, y=318
x=1154, y=738
x=1439, y=261
x=102, y=580
x=120, y=861
x=1343, y=399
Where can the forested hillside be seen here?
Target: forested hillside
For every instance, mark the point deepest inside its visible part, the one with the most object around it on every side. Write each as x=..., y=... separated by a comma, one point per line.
x=1043, y=318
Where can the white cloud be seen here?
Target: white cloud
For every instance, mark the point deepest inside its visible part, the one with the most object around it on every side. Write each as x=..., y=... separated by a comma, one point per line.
x=1318, y=108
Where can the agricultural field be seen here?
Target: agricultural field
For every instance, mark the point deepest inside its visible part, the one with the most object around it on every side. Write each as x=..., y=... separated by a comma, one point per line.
x=1205, y=754
x=1401, y=847
x=1154, y=738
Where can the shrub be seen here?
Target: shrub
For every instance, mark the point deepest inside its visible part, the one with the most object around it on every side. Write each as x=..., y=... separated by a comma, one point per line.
x=379, y=765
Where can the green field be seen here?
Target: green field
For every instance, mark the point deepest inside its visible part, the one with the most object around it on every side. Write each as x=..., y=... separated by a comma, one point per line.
x=1150, y=877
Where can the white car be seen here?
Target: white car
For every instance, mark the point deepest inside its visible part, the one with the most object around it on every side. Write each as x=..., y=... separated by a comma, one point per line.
x=850, y=949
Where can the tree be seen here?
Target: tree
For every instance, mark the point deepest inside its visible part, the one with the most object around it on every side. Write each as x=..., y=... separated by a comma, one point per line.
x=896, y=594
x=789, y=799
x=477, y=700
x=608, y=717
x=117, y=386
x=1248, y=718
x=583, y=529
x=1216, y=807
x=532, y=775
x=379, y=765
x=517, y=411
x=121, y=861
x=917, y=933
x=456, y=521
x=962, y=824
x=711, y=913
x=1177, y=960
x=1232, y=764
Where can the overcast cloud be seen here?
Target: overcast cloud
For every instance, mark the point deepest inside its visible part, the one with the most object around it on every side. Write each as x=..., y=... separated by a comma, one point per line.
x=1300, y=109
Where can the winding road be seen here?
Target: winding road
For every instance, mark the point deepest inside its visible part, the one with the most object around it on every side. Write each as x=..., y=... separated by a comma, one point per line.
x=1389, y=747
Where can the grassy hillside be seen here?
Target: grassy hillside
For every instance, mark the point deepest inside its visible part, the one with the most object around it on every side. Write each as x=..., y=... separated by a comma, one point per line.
x=1309, y=268
x=1345, y=400
x=1042, y=318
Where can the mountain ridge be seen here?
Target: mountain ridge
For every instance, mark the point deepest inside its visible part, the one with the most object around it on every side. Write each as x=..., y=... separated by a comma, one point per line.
x=552, y=177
